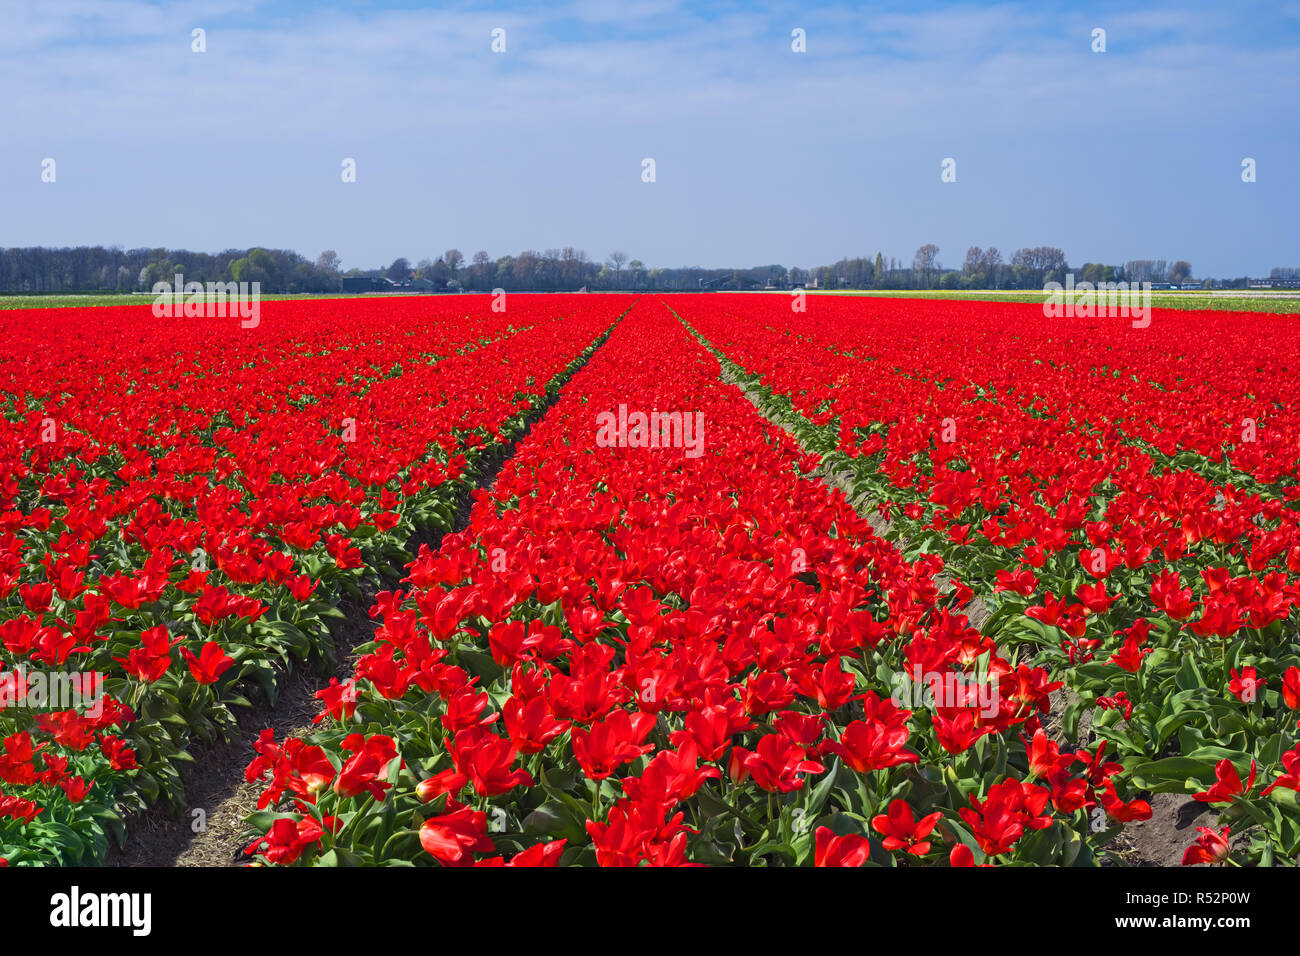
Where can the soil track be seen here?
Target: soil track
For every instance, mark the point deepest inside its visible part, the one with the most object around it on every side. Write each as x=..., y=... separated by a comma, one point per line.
x=1159, y=841
x=214, y=783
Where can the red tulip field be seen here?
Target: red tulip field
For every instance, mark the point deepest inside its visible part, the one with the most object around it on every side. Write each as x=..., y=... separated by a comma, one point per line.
x=657, y=580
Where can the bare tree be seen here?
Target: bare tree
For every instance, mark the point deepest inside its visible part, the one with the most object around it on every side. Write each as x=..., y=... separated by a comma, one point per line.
x=570, y=267
x=926, y=262
x=1146, y=270
x=1033, y=267
x=616, y=259
x=991, y=262
x=329, y=261
x=453, y=258
x=525, y=266
x=482, y=265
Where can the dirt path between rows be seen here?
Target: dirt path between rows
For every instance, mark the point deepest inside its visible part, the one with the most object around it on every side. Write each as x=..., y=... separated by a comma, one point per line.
x=1159, y=841
x=212, y=831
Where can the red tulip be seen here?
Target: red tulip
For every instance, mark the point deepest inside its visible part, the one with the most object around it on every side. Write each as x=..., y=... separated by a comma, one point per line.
x=847, y=850
x=1210, y=847
x=211, y=663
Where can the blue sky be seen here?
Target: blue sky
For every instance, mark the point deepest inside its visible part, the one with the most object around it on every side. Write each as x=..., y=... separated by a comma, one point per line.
x=762, y=155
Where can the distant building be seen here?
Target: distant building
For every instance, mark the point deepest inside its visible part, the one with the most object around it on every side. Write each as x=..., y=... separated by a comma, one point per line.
x=365, y=284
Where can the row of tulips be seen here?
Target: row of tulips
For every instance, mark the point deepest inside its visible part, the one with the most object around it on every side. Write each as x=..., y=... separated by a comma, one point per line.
x=640, y=655
x=185, y=504
x=1123, y=499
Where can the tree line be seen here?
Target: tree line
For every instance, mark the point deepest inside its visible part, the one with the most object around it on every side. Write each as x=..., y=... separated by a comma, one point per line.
x=96, y=269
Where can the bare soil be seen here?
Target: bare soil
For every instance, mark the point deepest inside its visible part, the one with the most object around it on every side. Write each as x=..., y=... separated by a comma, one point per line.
x=214, y=783
x=1159, y=841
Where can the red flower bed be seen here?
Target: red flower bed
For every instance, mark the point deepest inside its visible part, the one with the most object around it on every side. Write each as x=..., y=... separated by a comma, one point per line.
x=185, y=502
x=1123, y=499
x=639, y=656
x=661, y=639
